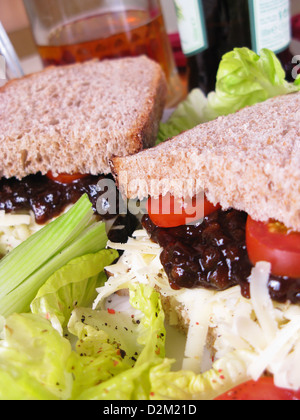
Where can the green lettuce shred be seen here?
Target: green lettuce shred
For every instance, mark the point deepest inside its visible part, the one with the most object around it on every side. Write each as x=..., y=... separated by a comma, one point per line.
x=140, y=341
x=113, y=356
x=33, y=360
x=73, y=285
x=225, y=374
x=245, y=78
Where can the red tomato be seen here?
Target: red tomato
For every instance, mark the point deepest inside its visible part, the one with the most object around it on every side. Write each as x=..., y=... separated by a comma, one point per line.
x=65, y=178
x=168, y=212
x=262, y=390
x=273, y=243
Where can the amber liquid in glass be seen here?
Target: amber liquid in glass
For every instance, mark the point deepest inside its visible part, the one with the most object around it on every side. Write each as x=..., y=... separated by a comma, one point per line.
x=112, y=35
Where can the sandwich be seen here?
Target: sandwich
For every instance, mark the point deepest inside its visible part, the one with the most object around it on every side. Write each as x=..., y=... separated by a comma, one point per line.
x=221, y=243
x=58, y=130
x=205, y=199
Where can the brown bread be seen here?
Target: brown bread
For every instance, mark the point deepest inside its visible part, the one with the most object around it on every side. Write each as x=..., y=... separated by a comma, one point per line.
x=75, y=118
x=249, y=161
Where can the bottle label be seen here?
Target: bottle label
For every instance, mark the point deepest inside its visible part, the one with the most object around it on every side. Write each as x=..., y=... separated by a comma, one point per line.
x=191, y=26
x=270, y=24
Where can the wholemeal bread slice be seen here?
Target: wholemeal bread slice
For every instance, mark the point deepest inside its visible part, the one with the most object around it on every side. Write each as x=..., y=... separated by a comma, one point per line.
x=73, y=119
x=248, y=161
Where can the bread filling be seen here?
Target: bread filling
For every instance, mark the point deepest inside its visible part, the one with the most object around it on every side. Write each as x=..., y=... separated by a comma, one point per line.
x=213, y=255
x=44, y=197
x=27, y=205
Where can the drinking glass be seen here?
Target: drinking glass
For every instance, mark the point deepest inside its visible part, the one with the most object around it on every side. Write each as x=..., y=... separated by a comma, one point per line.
x=70, y=31
x=10, y=66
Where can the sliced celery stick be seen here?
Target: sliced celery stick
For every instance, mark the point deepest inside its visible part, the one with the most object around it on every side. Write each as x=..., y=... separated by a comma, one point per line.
x=92, y=240
x=40, y=247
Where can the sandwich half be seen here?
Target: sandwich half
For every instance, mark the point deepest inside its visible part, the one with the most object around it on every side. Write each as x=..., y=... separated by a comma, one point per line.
x=225, y=255
x=59, y=128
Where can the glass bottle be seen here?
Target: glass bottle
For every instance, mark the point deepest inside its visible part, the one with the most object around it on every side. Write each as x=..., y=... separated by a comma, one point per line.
x=210, y=28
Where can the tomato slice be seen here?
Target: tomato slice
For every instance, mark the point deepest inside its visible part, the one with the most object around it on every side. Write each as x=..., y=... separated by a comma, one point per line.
x=168, y=212
x=273, y=243
x=65, y=178
x=262, y=390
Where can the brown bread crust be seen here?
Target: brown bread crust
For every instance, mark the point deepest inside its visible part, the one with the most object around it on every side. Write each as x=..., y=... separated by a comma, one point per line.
x=75, y=118
x=249, y=161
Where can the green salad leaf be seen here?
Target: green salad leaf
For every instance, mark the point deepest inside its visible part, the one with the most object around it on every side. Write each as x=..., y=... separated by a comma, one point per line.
x=244, y=78
x=225, y=374
x=33, y=360
x=137, y=337
x=73, y=285
x=113, y=355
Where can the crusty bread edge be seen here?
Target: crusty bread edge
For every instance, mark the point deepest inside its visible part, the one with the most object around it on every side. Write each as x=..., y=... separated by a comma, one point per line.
x=130, y=187
x=149, y=124
x=142, y=135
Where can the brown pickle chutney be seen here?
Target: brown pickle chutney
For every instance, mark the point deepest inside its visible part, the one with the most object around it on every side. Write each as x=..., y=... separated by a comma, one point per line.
x=213, y=255
x=48, y=199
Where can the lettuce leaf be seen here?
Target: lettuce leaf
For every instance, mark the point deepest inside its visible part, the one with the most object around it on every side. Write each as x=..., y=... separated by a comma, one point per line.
x=73, y=285
x=117, y=356
x=33, y=360
x=113, y=357
x=244, y=78
x=225, y=374
x=131, y=343
x=97, y=358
